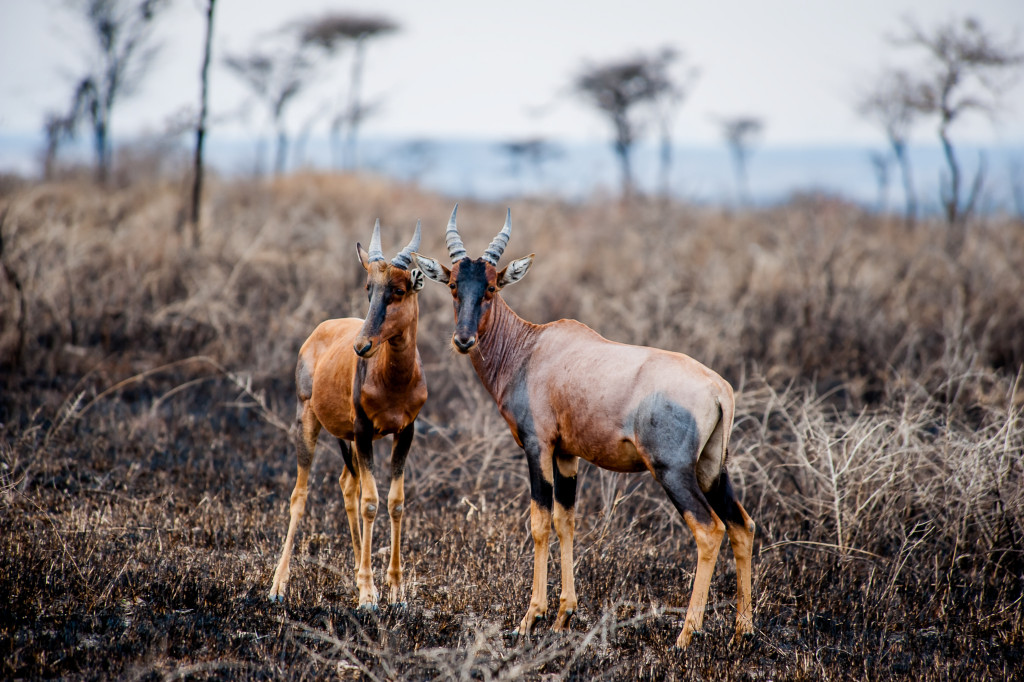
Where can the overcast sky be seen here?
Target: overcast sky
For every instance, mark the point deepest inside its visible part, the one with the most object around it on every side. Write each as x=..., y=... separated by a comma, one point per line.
x=501, y=69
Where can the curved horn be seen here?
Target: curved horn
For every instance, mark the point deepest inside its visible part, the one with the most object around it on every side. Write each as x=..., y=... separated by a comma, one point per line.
x=375, y=253
x=451, y=237
x=404, y=258
x=493, y=253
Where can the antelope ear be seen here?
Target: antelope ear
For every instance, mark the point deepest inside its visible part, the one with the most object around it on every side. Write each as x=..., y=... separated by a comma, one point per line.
x=364, y=257
x=418, y=280
x=432, y=269
x=514, y=271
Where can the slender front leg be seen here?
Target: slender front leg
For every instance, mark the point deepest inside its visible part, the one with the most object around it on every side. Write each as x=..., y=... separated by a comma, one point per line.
x=565, y=526
x=541, y=480
x=368, y=506
x=680, y=482
x=396, y=507
x=305, y=446
x=349, y=482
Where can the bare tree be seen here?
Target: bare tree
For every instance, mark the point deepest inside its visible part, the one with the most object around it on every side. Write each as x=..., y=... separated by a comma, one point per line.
x=330, y=32
x=880, y=163
x=739, y=132
x=666, y=106
x=197, y=172
x=894, y=104
x=275, y=77
x=616, y=88
x=969, y=68
x=122, y=46
x=531, y=151
x=57, y=129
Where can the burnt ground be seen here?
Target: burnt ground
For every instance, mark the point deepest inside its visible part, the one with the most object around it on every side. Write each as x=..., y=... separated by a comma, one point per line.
x=145, y=466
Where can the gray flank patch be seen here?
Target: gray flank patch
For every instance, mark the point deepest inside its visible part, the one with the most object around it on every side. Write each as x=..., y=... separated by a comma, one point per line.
x=666, y=430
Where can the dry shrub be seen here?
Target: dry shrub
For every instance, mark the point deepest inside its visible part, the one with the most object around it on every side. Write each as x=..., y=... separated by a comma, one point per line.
x=145, y=465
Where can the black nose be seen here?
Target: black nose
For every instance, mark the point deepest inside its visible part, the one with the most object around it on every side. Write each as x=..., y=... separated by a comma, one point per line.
x=362, y=349
x=464, y=344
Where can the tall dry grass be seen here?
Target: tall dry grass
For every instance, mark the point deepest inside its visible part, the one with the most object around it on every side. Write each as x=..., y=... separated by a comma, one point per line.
x=147, y=387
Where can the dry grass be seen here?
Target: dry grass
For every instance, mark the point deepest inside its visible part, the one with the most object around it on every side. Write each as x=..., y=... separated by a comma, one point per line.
x=144, y=468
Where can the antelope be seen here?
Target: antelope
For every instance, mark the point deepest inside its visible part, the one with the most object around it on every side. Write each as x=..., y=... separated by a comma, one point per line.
x=362, y=380
x=566, y=392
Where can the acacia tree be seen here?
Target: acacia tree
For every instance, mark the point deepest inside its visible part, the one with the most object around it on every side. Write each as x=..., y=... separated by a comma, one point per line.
x=616, y=89
x=275, y=77
x=893, y=104
x=122, y=48
x=197, y=171
x=532, y=151
x=880, y=163
x=968, y=68
x=329, y=33
x=739, y=132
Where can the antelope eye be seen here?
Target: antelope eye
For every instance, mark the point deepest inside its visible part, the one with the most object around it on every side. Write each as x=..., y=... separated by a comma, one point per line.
x=492, y=288
x=399, y=292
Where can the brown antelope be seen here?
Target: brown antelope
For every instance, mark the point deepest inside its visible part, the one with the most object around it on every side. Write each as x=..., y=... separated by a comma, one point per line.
x=566, y=392
x=362, y=380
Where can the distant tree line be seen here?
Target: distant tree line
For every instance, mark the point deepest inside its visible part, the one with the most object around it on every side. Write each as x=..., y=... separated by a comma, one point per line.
x=964, y=71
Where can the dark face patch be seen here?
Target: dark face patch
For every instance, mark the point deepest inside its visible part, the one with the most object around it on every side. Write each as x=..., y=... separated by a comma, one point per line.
x=472, y=290
x=383, y=290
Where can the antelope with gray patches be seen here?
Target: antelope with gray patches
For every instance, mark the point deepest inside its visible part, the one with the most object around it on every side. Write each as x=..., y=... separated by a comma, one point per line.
x=362, y=380
x=566, y=392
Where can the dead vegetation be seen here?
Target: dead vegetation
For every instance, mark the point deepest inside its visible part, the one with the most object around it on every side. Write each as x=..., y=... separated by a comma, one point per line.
x=145, y=468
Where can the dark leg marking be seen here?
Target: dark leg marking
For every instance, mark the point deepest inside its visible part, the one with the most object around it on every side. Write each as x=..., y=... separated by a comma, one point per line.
x=723, y=501
x=565, y=487
x=346, y=454
x=517, y=403
x=403, y=443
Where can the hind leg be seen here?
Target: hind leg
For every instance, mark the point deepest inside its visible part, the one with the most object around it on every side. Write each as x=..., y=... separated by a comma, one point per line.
x=741, y=536
x=349, y=482
x=564, y=519
x=669, y=440
x=396, y=509
x=305, y=446
x=708, y=531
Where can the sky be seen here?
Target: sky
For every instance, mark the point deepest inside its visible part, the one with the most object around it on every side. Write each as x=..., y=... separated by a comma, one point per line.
x=501, y=70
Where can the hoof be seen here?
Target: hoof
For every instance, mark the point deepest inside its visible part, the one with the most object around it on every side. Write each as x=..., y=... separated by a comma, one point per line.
x=369, y=607
x=399, y=605
x=741, y=638
x=275, y=598
x=685, y=639
x=562, y=621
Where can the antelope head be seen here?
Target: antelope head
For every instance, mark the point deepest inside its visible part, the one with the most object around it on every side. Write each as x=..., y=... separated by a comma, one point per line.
x=474, y=283
x=391, y=290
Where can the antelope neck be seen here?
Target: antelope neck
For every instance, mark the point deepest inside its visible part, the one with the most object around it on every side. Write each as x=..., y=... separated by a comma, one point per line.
x=396, y=358
x=503, y=348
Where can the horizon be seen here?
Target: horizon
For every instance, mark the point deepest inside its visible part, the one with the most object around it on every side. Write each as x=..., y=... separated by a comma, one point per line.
x=476, y=167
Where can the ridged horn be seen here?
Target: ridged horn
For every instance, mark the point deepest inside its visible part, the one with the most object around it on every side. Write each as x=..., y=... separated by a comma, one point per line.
x=493, y=253
x=404, y=258
x=451, y=237
x=375, y=253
